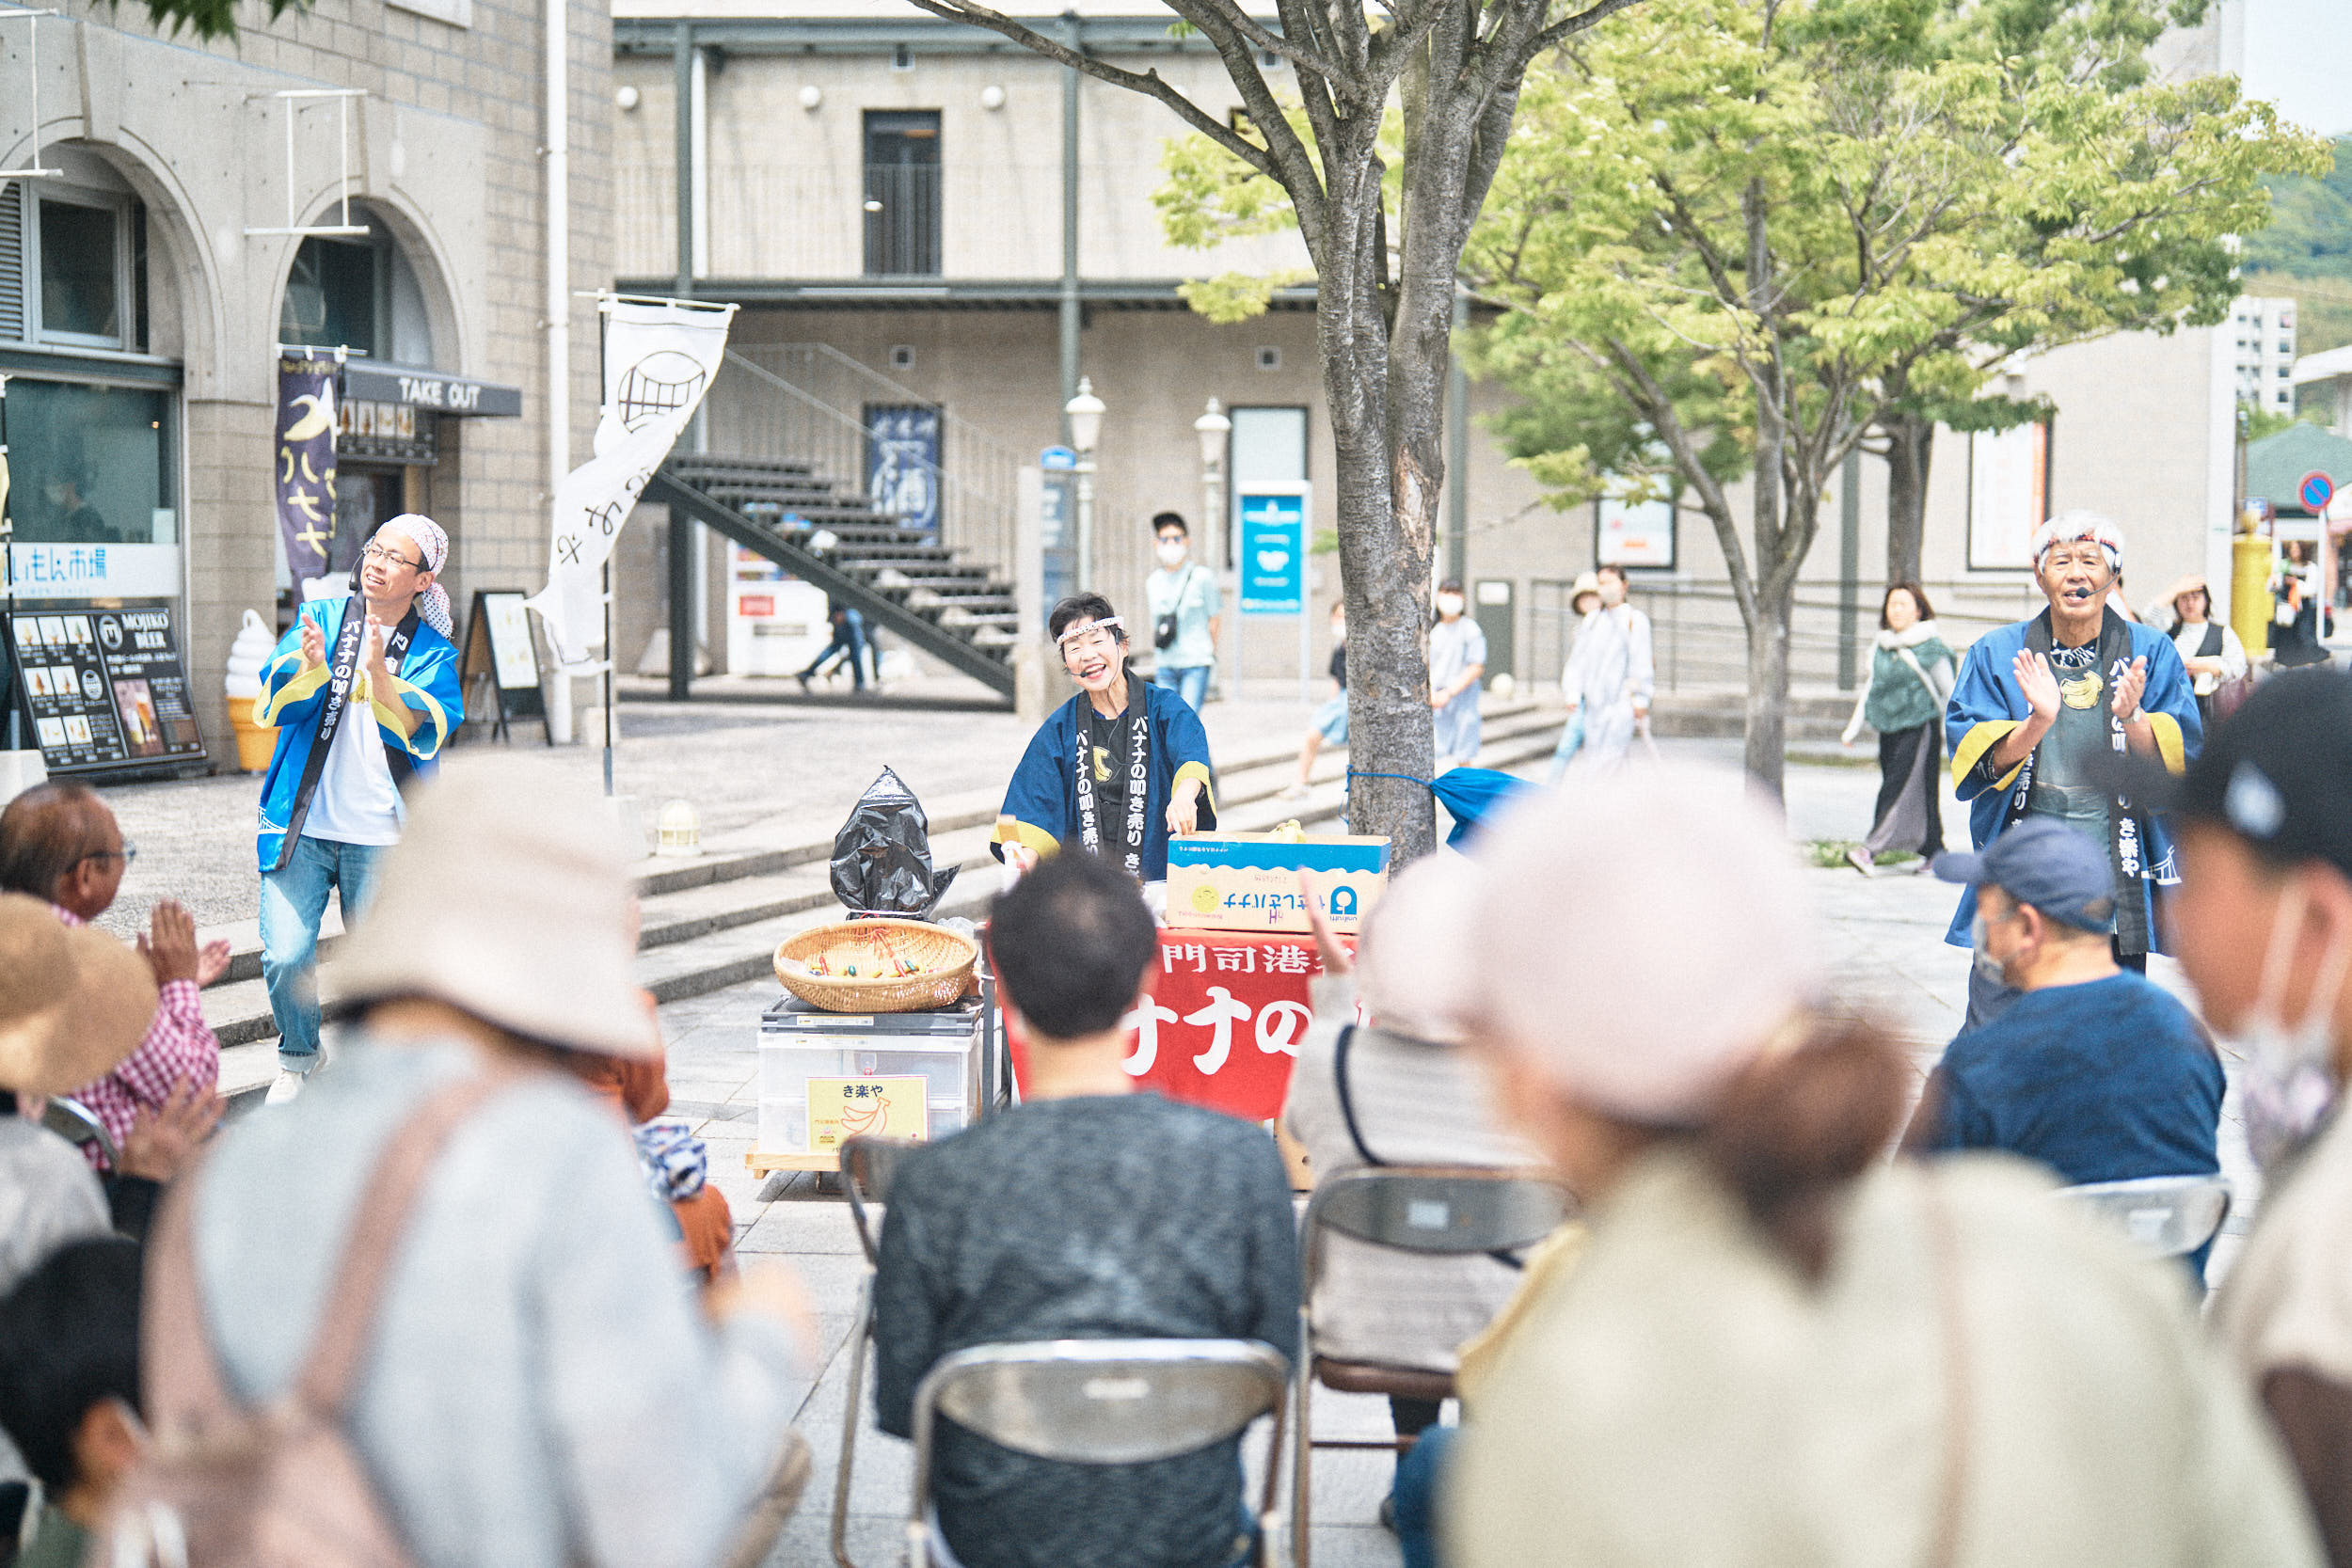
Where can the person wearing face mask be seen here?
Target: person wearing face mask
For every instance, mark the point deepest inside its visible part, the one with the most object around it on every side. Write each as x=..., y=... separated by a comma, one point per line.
x=2096, y=1072
x=2039, y=703
x=1458, y=662
x=1115, y=770
x=1610, y=680
x=2263, y=922
x=1182, y=597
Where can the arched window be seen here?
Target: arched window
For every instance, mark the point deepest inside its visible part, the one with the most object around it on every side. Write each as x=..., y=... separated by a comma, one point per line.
x=361, y=294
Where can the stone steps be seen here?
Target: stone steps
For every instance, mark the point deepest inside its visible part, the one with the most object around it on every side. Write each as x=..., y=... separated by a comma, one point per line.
x=716, y=921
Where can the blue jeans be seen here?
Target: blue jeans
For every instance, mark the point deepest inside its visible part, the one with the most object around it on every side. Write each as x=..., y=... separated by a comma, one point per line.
x=293, y=900
x=1420, y=1476
x=1190, y=683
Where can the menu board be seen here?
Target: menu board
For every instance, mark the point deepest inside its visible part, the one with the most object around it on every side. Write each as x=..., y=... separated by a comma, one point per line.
x=103, y=684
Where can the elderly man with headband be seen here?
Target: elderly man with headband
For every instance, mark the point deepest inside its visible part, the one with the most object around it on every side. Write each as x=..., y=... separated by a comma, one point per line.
x=1118, y=769
x=2037, y=704
x=364, y=692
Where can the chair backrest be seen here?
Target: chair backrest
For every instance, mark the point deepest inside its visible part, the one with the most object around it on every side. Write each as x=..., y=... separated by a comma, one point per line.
x=77, y=1124
x=1435, y=1209
x=2166, y=1215
x=868, y=1165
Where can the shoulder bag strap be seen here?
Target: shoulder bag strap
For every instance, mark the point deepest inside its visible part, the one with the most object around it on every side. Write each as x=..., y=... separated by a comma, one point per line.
x=179, y=1372
x=1347, y=1097
x=377, y=1229
x=1951, y=1310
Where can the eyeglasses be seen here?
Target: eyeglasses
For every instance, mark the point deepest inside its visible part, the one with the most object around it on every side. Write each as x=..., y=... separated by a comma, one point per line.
x=392, y=558
x=128, y=853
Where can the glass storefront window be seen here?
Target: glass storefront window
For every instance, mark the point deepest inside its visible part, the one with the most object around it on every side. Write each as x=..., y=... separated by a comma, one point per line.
x=331, y=296
x=90, y=465
x=80, y=271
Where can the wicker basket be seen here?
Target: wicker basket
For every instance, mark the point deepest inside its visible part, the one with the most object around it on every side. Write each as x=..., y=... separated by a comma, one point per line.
x=942, y=961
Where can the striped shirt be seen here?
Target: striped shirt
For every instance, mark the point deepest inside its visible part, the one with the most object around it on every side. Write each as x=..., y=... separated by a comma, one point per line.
x=180, y=1047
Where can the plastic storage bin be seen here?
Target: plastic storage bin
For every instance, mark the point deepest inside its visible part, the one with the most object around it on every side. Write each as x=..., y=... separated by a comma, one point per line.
x=798, y=1043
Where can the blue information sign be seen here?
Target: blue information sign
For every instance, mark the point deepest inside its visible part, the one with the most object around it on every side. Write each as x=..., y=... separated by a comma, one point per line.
x=1273, y=552
x=1057, y=457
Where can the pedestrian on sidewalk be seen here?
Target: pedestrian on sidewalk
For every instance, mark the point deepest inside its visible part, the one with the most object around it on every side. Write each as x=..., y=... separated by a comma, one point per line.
x=1776, y=1345
x=364, y=692
x=2094, y=1072
x=2040, y=701
x=1329, y=727
x=2264, y=918
x=1115, y=770
x=1584, y=599
x=539, y=1384
x=1182, y=597
x=1911, y=679
x=849, y=638
x=2209, y=648
x=1093, y=1210
x=61, y=843
x=1457, y=668
x=1614, y=680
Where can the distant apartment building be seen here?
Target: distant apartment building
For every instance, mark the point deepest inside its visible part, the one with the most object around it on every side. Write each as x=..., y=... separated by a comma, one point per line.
x=2262, y=333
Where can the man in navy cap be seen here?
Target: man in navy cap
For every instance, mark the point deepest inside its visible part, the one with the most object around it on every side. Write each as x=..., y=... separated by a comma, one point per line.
x=2095, y=1071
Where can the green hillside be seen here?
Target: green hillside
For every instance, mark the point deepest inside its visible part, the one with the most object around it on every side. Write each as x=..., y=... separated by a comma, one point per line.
x=2305, y=253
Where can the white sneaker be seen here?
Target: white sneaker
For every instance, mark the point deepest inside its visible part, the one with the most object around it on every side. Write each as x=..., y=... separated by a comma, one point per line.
x=287, y=1085
x=1293, y=792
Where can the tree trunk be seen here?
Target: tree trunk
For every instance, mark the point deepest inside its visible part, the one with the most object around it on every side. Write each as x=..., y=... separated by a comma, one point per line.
x=1910, y=447
x=1767, y=751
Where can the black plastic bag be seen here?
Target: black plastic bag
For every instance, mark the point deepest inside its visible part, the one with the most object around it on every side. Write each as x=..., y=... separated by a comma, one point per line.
x=881, y=857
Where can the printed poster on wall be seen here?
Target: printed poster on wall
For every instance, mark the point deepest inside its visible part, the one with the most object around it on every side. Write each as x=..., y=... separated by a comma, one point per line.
x=1633, y=533
x=902, y=463
x=2009, y=496
x=1273, y=549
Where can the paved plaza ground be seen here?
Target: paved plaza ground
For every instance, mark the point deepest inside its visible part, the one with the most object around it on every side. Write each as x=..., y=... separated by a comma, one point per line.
x=788, y=773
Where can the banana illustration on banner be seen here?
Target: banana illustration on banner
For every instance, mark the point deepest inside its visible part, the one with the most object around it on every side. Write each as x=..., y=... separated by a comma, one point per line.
x=305, y=475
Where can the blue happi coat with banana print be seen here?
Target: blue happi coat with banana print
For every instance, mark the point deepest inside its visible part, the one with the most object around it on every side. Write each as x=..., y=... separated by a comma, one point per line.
x=425, y=679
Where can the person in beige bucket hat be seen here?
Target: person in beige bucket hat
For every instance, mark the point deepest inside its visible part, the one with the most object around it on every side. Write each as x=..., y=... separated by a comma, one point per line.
x=542, y=1384
x=73, y=1000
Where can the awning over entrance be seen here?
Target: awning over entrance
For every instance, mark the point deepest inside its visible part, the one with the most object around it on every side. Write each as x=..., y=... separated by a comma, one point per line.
x=368, y=381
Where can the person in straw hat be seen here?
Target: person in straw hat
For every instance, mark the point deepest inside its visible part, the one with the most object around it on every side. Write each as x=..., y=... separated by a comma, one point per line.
x=2210, y=648
x=542, y=1387
x=1777, y=1345
x=1584, y=599
x=73, y=1002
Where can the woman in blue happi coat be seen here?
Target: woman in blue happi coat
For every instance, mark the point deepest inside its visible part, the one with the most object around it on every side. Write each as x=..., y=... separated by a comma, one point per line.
x=1117, y=768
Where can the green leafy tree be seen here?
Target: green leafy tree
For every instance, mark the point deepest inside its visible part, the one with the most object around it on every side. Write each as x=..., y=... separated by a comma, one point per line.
x=1382, y=159
x=1777, y=224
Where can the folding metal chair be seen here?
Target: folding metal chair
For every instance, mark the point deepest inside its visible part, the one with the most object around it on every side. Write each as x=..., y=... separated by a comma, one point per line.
x=78, y=1125
x=868, y=1165
x=1096, y=1402
x=2164, y=1215
x=1425, y=1209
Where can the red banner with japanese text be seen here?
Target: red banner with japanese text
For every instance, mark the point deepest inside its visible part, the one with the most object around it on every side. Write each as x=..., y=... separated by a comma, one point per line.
x=1224, y=1020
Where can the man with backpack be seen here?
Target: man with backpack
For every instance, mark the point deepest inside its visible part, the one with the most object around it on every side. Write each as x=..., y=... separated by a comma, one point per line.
x=431, y=1309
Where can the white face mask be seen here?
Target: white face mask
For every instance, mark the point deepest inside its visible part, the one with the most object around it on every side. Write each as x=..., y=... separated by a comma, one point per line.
x=2289, y=1085
x=1172, y=552
x=1449, y=604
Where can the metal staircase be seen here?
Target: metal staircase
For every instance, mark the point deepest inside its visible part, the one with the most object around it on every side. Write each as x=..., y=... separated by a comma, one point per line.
x=770, y=487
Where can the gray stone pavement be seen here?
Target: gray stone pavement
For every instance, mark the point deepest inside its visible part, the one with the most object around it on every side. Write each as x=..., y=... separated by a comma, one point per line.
x=1889, y=959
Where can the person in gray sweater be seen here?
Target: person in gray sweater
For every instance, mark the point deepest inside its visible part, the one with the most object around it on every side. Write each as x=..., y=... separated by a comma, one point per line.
x=541, y=1388
x=1091, y=1211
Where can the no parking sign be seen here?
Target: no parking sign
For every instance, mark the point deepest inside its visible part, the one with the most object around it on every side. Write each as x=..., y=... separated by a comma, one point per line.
x=2315, y=490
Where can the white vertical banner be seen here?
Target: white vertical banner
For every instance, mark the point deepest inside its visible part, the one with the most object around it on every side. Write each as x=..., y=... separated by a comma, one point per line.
x=660, y=356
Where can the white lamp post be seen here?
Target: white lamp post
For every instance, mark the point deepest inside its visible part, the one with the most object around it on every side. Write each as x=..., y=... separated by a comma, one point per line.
x=1085, y=426
x=1212, y=428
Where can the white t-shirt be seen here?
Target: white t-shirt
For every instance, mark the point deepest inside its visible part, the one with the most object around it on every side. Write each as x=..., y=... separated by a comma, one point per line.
x=355, y=802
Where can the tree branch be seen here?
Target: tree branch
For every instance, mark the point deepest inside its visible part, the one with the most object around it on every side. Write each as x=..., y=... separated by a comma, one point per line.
x=1568, y=26
x=1264, y=38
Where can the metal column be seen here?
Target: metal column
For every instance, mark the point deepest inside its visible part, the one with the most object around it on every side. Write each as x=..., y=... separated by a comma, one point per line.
x=1071, y=317
x=681, y=574
x=1849, y=569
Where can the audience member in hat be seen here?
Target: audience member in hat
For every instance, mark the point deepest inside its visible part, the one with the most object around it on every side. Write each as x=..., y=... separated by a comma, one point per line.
x=1777, y=1346
x=2209, y=648
x=1089, y=1211
x=2263, y=919
x=70, y=1389
x=1399, y=1090
x=59, y=843
x=73, y=1001
x=542, y=1387
x=2040, y=701
x=2094, y=1072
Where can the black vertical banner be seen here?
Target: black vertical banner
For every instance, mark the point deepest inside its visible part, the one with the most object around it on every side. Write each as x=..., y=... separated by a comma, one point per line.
x=308, y=390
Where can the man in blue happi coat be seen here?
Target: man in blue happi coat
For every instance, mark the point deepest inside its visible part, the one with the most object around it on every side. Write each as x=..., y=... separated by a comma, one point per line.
x=1117, y=768
x=2037, y=704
